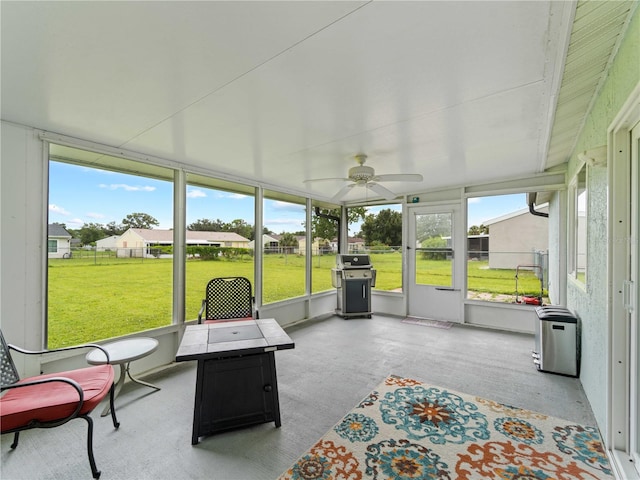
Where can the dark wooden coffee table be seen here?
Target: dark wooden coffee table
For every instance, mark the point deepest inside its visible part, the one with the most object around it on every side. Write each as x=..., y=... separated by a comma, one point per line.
x=236, y=383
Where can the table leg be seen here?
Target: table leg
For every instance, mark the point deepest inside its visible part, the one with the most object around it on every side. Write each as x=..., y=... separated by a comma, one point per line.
x=140, y=382
x=274, y=390
x=124, y=371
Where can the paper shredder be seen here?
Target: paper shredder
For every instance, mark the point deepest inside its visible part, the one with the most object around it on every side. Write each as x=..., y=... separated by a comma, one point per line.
x=557, y=341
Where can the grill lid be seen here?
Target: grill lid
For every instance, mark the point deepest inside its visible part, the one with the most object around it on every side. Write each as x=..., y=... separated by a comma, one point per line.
x=348, y=262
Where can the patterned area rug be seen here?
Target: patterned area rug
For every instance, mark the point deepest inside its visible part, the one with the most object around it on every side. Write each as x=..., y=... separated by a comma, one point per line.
x=406, y=429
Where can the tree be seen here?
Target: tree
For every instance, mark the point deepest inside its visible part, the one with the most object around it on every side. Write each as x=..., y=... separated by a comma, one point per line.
x=241, y=227
x=288, y=242
x=434, y=242
x=90, y=232
x=478, y=230
x=206, y=225
x=433, y=225
x=139, y=220
x=327, y=228
x=112, y=229
x=384, y=228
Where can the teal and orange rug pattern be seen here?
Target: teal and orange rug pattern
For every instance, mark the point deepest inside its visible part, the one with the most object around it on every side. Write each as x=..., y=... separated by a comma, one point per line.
x=407, y=429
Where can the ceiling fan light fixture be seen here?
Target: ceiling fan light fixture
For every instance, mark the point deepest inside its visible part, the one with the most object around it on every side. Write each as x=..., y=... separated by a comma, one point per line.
x=361, y=172
x=365, y=176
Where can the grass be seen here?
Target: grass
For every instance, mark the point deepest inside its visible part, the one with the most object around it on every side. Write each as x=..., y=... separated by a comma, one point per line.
x=93, y=298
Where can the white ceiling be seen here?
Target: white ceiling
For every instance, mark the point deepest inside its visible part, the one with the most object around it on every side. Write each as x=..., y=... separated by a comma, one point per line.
x=280, y=92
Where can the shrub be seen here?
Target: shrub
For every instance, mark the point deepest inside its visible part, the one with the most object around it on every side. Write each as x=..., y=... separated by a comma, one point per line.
x=434, y=242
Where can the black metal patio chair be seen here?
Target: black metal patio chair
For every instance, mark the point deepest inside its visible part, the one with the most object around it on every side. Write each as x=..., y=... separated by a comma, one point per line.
x=226, y=299
x=51, y=400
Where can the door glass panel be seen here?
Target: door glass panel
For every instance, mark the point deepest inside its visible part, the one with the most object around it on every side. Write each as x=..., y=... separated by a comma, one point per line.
x=434, y=249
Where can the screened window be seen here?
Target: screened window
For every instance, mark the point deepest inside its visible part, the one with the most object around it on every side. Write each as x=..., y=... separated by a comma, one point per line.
x=378, y=232
x=507, y=249
x=52, y=246
x=325, y=223
x=220, y=236
x=284, y=244
x=118, y=280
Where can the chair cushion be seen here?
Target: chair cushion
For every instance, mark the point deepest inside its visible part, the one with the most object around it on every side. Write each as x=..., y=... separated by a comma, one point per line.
x=54, y=400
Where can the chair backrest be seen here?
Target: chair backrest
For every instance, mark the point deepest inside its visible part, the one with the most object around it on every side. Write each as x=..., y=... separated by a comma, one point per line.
x=228, y=297
x=8, y=371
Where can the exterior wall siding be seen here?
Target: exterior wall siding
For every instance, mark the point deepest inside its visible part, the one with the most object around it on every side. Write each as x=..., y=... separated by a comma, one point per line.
x=590, y=303
x=63, y=248
x=514, y=241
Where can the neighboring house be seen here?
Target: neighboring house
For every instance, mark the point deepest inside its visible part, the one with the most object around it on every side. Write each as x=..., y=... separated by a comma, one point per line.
x=478, y=246
x=355, y=244
x=278, y=248
x=138, y=242
x=320, y=246
x=269, y=243
x=58, y=241
x=108, y=243
x=517, y=237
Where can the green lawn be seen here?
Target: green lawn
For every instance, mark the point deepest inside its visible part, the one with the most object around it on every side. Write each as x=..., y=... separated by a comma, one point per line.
x=92, y=298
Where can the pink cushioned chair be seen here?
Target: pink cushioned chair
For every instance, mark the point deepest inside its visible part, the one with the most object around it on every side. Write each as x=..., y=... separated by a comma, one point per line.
x=46, y=401
x=227, y=299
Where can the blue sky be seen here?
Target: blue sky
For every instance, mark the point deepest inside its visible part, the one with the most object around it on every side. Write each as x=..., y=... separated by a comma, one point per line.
x=79, y=195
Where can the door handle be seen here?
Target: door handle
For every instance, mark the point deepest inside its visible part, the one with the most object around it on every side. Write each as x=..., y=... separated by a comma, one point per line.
x=627, y=297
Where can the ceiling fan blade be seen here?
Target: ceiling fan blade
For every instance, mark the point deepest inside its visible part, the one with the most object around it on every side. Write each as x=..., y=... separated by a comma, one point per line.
x=342, y=192
x=399, y=177
x=380, y=190
x=325, y=179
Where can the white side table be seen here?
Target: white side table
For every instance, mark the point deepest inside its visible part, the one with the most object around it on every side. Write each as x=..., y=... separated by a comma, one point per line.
x=122, y=353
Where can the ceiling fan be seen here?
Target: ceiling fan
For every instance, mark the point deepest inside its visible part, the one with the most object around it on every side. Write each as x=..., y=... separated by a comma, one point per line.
x=364, y=176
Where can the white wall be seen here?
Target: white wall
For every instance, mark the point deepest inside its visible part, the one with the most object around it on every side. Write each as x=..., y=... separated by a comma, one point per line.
x=589, y=301
x=22, y=238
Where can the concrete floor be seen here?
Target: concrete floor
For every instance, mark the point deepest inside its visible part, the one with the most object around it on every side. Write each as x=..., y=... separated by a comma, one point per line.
x=335, y=364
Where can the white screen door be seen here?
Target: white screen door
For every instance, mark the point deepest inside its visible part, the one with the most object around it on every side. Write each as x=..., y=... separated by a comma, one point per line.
x=434, y=256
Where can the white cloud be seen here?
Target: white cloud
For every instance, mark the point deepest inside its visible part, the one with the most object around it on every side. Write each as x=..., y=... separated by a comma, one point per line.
x=128, y=188
x=280, y=205
x=278, y=225
x=233, y=196
x=74, y=223
x=196, y=194
x=95, y=215
x=474, y=199
x=58, y=209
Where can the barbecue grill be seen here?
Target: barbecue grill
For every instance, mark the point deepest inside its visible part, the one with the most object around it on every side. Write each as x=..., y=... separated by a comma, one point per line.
x=353, y=278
